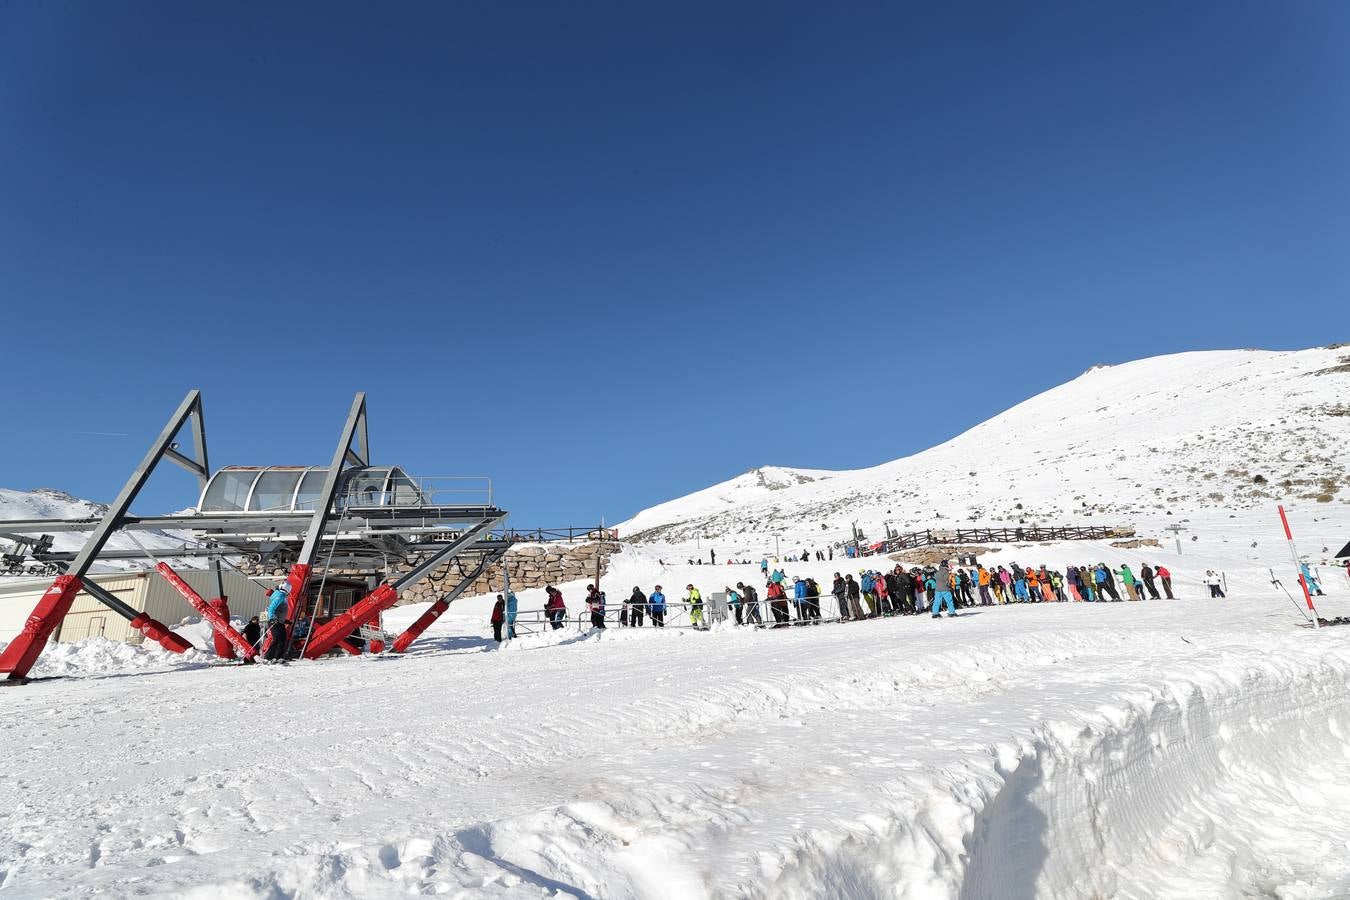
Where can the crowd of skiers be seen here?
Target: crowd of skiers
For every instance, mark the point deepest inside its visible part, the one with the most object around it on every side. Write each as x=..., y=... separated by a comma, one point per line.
x=931, y=589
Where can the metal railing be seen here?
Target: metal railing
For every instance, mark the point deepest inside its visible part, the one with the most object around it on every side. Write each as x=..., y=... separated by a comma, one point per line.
x=420, y=492
x=570, y=533
x=678, y=614
x=1034, y=533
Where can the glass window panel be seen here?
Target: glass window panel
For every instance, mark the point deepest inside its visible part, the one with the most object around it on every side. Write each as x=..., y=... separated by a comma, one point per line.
x=229, y=490
x=310, y=489
x=403, y=491
x=274, y=490
x=366, y=488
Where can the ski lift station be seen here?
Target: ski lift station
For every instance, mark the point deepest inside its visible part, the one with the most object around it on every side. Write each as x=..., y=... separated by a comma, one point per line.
x=348, y=538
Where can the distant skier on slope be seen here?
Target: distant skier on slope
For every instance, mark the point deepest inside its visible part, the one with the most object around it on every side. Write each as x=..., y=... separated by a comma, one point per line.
x=1215, y=584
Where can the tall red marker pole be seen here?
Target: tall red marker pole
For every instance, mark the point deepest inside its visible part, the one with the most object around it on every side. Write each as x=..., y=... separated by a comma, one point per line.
x=1293, y=551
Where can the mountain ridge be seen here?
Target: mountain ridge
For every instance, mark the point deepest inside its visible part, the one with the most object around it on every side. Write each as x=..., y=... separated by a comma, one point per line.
x=1162, y=436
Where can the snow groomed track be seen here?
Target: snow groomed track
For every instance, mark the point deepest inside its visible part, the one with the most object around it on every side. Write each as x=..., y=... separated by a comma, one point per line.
x=1190, y=749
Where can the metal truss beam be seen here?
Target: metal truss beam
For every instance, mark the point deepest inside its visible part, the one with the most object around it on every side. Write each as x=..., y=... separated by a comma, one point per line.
x=18, y=658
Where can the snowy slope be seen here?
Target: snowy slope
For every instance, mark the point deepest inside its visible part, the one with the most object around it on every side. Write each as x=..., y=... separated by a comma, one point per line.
x=48, y=503
x=1187, y=433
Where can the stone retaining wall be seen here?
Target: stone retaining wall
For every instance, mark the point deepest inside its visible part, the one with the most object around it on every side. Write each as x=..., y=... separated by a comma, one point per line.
x=531, y=566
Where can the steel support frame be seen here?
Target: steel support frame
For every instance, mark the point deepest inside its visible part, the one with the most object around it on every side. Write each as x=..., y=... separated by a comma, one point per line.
x=332, y=632
x=18, y=658
x=298, y=577
x=437, y=609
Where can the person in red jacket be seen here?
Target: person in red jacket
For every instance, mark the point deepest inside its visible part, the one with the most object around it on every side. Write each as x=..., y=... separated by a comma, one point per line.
x=498, y=618
x=777, y=603
x=1166, y=577
x=554, y=607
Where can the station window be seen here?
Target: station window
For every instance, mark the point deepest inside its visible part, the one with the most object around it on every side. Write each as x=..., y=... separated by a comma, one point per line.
x=274, y=490
x=311, y=488
x=366, y=488
x=228, y=490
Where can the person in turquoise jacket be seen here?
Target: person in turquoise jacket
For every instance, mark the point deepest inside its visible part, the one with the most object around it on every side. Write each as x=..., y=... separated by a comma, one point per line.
x=511, y=614
x=1313, y=586
x=276, y=601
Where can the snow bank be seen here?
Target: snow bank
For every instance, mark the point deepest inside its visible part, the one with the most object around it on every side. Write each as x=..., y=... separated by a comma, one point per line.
x=99, y=656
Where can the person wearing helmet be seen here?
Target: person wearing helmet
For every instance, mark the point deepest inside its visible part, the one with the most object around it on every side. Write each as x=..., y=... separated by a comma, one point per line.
x=276, y=601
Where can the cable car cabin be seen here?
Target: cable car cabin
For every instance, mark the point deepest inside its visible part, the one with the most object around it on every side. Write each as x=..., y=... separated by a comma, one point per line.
x=272, y=489
x=264, y=512
x=333, y=596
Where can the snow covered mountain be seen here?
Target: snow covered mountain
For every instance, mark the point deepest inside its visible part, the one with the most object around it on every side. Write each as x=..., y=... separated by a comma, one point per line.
x=50, y=503
x=1148, y=442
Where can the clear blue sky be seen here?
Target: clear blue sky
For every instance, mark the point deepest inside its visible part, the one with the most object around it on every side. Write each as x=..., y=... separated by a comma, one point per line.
x=611, y=253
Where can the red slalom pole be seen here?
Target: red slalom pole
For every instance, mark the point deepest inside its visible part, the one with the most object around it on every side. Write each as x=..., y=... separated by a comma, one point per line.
x=1293, y=551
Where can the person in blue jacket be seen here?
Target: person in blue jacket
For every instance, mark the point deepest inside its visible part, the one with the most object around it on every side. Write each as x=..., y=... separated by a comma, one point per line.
x=868, y=585
x=511, y=606
x=799, y=594
x=276, y=601
x=656, y=606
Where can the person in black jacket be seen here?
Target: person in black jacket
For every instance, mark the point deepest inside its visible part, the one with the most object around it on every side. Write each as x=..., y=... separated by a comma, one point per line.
x=750, y=600
x=1147, y=574
x=854, y=594
x=840, y=593
x=637, y=605
x=895, y=591
x=812, y=602
x=963, y=584
x=252, y=634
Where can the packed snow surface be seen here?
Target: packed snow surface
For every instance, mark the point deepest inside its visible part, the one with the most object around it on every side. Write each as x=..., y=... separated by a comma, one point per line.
x=1165, y=749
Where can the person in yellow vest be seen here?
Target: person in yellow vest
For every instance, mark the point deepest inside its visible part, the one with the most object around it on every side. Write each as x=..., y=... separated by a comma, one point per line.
x=695, y=601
